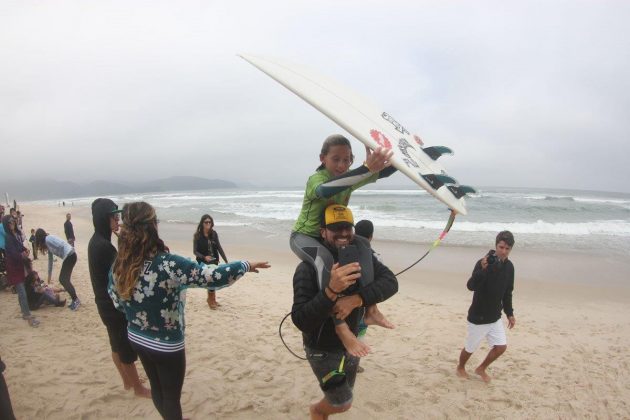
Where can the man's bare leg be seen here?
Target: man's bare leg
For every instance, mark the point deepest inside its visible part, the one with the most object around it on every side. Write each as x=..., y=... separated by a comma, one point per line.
x=491, y=357
x=351, y=343
x=373, y=316
x=322, y=409
x=461, y=367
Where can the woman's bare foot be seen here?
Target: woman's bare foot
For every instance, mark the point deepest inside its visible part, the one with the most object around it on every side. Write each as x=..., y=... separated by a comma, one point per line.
x=212, y=300
x=351, y=343
x=374, y=317
x=141, y=391
x=482, y=372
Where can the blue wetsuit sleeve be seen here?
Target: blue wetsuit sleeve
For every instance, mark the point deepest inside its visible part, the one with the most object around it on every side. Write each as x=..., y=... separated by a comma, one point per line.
x=352, y=179
x=386, y=172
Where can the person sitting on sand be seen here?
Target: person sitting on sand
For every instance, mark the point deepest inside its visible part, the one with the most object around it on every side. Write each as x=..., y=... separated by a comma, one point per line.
x=333, y=365
x=333, y=183
x=40, y=294
x=492, y=282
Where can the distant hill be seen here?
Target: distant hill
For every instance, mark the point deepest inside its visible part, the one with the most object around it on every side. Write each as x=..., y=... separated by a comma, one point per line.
x=49, y=188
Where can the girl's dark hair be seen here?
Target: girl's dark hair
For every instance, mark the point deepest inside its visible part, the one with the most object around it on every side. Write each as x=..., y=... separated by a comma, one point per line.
x=40, y=240
x=199, y=233
x=333, y=140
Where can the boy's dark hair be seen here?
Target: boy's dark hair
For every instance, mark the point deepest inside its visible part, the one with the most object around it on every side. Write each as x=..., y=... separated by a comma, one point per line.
x=505, y=236
x=364, y=228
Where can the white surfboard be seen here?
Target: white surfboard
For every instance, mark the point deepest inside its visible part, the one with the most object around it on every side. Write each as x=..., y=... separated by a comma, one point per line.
x=369, y=124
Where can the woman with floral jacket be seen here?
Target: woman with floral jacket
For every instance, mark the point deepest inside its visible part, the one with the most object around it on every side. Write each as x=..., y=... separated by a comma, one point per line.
x=146, y=283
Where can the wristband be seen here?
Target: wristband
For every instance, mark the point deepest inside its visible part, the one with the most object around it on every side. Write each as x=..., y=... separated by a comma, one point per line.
x=331, y=289
x=369, y=170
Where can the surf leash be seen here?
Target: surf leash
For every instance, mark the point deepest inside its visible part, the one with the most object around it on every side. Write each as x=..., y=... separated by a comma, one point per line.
x=435, y=244
x=282, y=339
x=451, y=219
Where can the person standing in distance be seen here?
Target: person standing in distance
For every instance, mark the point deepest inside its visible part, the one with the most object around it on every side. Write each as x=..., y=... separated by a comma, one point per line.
x=69, y=230
x=492, y=282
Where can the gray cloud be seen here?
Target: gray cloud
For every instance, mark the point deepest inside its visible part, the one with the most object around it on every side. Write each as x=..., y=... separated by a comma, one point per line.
x=529, y=94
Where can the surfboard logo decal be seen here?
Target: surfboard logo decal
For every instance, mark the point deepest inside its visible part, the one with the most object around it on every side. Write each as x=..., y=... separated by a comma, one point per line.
x=381, y=139
x=398, y=126
x=403, y=145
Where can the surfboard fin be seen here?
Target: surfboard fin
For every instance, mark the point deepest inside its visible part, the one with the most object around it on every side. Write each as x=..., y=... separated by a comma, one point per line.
x=435, y=152
x=461, y=190
x=437, y=180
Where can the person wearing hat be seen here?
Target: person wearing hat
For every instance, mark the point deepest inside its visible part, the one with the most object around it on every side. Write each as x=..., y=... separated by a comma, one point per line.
x=345, y=296
x=101, y=255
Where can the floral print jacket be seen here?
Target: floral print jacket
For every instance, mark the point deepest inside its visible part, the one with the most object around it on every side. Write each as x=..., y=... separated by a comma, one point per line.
x=155, y=311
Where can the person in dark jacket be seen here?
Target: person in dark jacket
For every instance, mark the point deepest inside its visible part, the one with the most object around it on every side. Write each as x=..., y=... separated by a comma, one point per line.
x=492, y=282
x=335, y=368
x=15, y=257
x=68, y=229
x=207, y=249
x=101, y=255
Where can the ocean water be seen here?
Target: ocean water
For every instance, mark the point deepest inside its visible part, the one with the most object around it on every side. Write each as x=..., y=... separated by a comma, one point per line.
x=591, y=221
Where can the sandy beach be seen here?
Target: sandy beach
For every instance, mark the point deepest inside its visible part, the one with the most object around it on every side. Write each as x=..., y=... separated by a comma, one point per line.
x=567, y=356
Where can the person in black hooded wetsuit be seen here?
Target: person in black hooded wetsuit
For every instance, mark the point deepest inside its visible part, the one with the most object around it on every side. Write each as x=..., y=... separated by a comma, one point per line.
x=101, y=255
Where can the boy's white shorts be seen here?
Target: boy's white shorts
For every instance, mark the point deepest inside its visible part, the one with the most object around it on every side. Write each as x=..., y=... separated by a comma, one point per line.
x=494, y=333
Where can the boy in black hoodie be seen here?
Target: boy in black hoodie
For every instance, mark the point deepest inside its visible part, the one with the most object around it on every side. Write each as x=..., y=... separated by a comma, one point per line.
x=101, y=255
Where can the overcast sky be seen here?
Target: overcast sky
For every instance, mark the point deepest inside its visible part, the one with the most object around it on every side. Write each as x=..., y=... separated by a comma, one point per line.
x=527, y=94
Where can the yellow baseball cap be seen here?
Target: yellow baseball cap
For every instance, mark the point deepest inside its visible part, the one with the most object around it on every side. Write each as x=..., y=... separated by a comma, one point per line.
x=337, y=215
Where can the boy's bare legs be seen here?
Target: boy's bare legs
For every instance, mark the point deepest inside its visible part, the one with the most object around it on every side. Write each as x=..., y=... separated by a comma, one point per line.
x=461, y=367
x=322, y=409
x=130, y=377
x=491, y=357
x=352, y=344
x=374, y=317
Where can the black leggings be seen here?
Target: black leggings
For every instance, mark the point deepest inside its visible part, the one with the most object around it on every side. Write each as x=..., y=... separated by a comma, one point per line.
x=166, y=376
x=66, y=272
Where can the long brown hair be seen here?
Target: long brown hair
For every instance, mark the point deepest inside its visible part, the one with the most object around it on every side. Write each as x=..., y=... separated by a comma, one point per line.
x=137, y=242
x=199, y=232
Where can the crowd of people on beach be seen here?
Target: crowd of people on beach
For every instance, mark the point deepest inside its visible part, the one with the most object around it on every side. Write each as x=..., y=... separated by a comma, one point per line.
x=337, y=285
x=16, y=262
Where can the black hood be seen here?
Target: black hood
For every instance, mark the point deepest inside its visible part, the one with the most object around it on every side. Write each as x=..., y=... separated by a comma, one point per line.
x=102, y=210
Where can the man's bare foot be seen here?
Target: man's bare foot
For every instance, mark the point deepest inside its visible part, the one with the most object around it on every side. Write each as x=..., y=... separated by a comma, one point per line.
x=351, y=343
x=315, y=415
x=142, y=392
x=461, y=372
x=482, y=372
x=374, y=317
